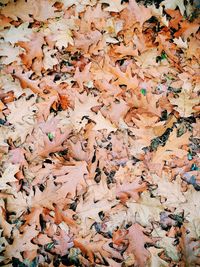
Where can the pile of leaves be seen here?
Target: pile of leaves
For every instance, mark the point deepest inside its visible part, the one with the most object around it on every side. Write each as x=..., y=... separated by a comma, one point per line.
x=99, y=134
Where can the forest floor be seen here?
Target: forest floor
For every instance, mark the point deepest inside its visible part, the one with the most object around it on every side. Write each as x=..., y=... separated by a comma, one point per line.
x=99, y=133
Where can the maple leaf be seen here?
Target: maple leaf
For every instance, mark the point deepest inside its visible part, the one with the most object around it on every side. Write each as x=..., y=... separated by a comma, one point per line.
x=137, y=240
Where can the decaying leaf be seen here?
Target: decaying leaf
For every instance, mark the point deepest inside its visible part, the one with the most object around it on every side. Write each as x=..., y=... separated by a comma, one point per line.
x=99, y=133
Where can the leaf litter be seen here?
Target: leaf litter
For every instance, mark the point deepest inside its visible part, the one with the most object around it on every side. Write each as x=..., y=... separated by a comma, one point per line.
x=99, y=133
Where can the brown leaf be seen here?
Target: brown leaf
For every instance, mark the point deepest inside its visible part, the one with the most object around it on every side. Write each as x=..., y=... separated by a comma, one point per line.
x=132, y=189
x=137, y=240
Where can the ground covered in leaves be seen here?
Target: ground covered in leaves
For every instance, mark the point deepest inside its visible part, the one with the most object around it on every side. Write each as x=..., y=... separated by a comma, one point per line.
x=99, y=135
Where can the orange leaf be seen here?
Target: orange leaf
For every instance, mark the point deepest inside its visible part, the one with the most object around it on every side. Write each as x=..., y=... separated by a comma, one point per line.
x=33, y=52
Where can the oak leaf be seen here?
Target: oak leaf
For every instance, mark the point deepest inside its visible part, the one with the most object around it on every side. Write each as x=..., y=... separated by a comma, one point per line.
x=51, y=146
x=137, y=240
x=7, y=227
x=173, y=4
x=19, y=115
x=184, y=104
x=92, y=248
x=14, y=35
x=171, y=148
x=82, y=109
x=9, y=53
x=52, y=194
x=113, y=6
x=20, y=9
x=132, y=189
x=140, y=12
x=71, y=177
x=62, y=243
x=8, y=176
x=171, y=191
x=22, y=242
x=33, y=52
